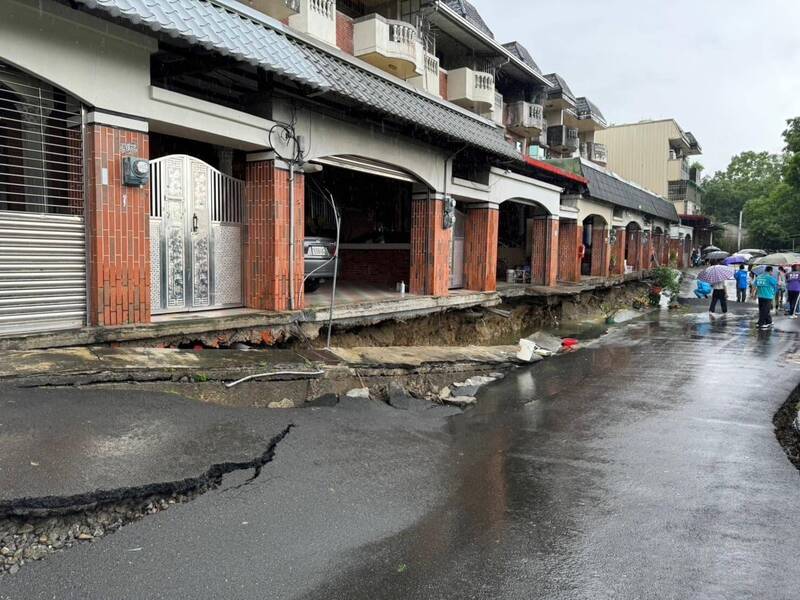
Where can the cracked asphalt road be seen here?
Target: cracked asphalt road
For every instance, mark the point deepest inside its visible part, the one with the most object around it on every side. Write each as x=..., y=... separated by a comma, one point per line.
x=643, y=466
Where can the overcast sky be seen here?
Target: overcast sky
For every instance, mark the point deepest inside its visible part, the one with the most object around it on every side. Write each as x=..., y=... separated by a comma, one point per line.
x=726, y=70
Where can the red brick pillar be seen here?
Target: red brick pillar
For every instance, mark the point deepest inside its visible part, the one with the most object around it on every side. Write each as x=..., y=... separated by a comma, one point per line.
x=600, y=252
x=618, y=252
x=118, y=229
x=633, y=248
x=569, y=238
x=266, y=235
x=544, y=256
x=480, y=249
x=430, y=246
x=647, y=251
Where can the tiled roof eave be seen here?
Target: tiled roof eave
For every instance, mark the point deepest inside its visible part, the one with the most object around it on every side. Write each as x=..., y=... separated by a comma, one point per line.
x=219, y=28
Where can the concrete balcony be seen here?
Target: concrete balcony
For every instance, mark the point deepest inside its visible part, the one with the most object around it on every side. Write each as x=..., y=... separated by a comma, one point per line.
x=390, y=45
x=562, y=138
x=429, y=80
x=595, y=152
x=677, y=169
x=473, y=90
x=277, y=9
x=525, y=119
x=317, y=18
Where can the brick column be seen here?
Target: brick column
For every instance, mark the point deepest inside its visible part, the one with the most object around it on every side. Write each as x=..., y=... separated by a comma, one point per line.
x=600, y=252
x=647, y=251
x=569, y=238
x=633, y=251
x=617, y=250
x=544, y=256
x=118, y=229
x=266, y=235
x=431, y=244
x=676, y=248
x=480, y=249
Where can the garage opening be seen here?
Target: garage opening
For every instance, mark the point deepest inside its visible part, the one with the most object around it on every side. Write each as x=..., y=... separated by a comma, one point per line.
x=521, y=244
x=374, y=202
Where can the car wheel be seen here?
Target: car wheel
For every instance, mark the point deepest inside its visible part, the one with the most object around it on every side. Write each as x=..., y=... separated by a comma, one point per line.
x=312, y=285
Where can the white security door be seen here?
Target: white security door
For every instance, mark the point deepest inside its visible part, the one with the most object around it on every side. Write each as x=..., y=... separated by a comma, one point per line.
x=195, y=231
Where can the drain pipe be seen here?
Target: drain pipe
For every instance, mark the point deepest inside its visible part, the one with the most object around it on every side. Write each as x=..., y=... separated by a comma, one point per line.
x=291, y=235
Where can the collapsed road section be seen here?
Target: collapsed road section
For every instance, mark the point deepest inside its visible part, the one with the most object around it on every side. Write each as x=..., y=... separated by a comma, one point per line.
x=33, y=528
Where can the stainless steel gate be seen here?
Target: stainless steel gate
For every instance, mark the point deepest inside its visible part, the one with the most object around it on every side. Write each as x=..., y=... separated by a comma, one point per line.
x=42, y=234
x=195, y=236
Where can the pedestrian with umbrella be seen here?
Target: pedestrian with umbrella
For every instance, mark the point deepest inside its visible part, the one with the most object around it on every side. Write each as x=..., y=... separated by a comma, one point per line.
x=766, y=288
x=717, y=275
x=793, y=286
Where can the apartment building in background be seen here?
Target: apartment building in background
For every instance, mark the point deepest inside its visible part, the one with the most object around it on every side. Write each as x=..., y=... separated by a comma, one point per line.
x=658, y=155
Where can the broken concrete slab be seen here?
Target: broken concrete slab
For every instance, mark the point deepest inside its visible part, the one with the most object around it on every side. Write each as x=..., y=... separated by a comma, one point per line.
x=102, y=364
x=418, y=356
x=362, y=393
x=461, y=401
x=545, y=340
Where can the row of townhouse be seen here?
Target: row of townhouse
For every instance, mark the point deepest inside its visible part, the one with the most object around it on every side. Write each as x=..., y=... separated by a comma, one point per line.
x=162, y=157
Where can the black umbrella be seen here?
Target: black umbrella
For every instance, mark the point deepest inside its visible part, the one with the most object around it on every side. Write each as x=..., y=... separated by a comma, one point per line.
x=708, y=249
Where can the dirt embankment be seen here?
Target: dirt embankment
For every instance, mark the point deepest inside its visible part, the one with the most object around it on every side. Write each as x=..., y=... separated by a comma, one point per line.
x=787, y=435
x=486, y=328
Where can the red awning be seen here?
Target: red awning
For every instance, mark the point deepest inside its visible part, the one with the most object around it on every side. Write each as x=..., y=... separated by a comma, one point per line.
x=544, y=166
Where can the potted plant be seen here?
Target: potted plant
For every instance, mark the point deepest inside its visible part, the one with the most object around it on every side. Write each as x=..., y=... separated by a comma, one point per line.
x=663, y=279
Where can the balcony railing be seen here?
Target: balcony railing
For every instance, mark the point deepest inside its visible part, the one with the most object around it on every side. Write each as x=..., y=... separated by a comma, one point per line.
x=316, y=18
x=471, y=89
x=277, y=9
x=525, y=118
x=429, y=80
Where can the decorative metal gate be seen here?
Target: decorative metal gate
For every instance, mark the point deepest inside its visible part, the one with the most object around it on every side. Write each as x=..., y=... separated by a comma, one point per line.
x=195, y=236
x=42, y=234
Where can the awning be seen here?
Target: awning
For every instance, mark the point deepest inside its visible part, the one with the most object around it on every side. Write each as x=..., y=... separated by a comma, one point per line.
x=544, y=166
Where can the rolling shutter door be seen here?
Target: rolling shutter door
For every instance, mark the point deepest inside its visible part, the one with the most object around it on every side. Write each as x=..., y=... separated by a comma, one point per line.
x=42, y=233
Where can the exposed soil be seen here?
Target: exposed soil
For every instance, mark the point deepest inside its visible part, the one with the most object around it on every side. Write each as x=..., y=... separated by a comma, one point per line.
x=485, y=328
x=787, y=435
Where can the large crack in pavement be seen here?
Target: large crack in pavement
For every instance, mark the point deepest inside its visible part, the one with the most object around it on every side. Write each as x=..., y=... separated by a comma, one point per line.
x=33, y=528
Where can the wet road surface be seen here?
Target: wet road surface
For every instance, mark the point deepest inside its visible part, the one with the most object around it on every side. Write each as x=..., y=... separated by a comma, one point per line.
x=643, y=466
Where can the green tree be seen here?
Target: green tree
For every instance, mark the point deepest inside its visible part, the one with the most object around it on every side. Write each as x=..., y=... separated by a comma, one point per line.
x=773, y=220
x=749, y=176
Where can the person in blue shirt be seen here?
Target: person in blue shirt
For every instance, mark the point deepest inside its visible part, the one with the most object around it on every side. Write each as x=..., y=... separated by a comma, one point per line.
x=703, y=290
x=766, y=289
x=741, y=284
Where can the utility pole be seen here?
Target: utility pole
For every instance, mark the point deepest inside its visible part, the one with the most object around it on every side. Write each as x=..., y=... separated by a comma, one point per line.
x=739, y=235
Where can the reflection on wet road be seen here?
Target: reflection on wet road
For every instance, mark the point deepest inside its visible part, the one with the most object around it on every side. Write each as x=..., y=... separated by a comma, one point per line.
x=643, y=466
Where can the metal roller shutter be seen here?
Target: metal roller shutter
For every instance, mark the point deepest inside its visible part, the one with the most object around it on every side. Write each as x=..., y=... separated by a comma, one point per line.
x=42, y=233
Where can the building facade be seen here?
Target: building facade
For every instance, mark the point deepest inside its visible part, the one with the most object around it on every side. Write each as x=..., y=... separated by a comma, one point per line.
x=656, y=155
x=164, y=157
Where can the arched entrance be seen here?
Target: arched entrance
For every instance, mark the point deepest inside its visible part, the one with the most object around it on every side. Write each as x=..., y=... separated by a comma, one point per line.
x=523, y=242
x=633, y=247
x=42, y=230
x=594, y=261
